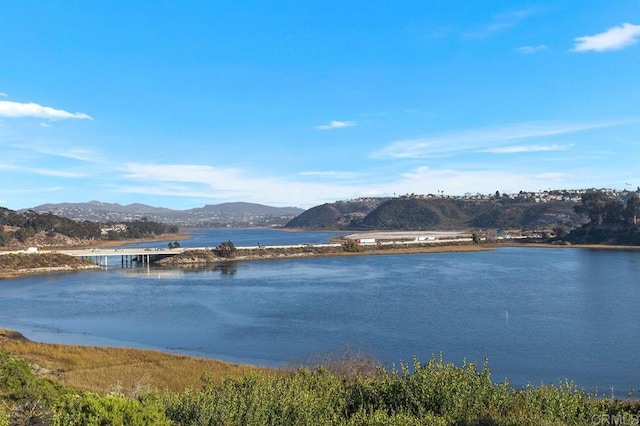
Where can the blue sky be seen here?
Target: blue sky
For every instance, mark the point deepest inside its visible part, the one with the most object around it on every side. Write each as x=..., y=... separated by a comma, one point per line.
x=184, y=103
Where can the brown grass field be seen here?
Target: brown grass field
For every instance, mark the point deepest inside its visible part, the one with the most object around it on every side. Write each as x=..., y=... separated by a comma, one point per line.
x=129, y=371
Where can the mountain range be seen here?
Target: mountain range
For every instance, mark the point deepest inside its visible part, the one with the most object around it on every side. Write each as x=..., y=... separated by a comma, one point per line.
x=237, y=215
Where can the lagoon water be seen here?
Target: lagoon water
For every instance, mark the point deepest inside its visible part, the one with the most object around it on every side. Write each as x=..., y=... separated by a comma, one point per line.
x=538, y=314
x=247, y=237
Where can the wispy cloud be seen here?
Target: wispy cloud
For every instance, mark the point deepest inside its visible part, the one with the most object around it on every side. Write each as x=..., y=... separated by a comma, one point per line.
x=46, y=189
x=455, y=181
x=232, y=184
x=39, y=171
x=228, y=184
x=525, y=148
x=557, y=177
x=615, y=38
x=330, y=174
x=18, y=109
x=336, y=125
x=501, y=22
x=527, y=50
x=3, y=95
x=480, y=139
x=81, y=154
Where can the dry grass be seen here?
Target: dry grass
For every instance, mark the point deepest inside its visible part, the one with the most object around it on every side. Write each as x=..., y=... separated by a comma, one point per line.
x=129, y=371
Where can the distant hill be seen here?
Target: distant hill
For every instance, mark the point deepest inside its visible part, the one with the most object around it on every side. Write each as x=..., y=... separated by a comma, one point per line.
x=19, y=230
x=418, y=214
x=220, y=215
x=338, y=215
x=247, y=208
x=438, y=213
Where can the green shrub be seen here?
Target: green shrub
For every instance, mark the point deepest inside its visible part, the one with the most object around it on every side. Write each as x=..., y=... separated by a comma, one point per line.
x=352, y=246
x=18, y=384
x=435, y=393
x=115, y=410
x=226, y=249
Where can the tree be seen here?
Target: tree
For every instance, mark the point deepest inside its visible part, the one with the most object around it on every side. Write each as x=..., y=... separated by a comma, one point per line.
x=560, y=231
x=613, y=212
x=23, y=234
x=4, y=238
x=593, y=205
x=352, y=246
x=226, y=249
x=632, y=211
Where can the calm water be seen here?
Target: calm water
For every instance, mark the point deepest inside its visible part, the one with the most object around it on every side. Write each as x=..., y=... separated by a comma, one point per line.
x=247, y=237
x=539, y=314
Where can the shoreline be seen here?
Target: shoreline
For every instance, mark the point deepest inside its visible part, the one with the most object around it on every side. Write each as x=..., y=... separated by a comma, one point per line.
x=198, y=258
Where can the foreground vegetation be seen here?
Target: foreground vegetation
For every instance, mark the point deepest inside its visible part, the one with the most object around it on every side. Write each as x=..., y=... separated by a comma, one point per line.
x=344, y=390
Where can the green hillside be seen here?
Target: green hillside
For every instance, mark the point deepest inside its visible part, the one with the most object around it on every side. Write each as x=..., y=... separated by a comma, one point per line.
x=338, y=215
x=437, y=213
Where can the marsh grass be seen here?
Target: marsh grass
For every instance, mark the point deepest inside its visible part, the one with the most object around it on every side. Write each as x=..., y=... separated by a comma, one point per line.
x=129, y=371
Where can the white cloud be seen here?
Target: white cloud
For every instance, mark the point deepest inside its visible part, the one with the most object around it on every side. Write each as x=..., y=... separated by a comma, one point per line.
x=47, y=189
x=39, y=171
x=615, y=38
x=18, y=109
x=480, y=139
x=80, y=154
x=525, y=148
x=336, y=125
x=551, y=176
x=527, y=50
x=425, y=180
x=330, y=174
x=228, y=184
x=501, y=22
x=4, y=95
x=53, y=173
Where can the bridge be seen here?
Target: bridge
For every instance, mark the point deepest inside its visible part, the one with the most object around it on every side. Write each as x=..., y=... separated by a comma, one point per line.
x=127, y=255
x=147, y=255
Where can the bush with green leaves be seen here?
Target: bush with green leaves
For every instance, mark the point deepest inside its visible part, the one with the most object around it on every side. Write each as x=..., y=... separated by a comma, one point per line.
x=435, y=393
x=90, y=409
x=226, y=249
x=352, y=246
x=18, y=383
